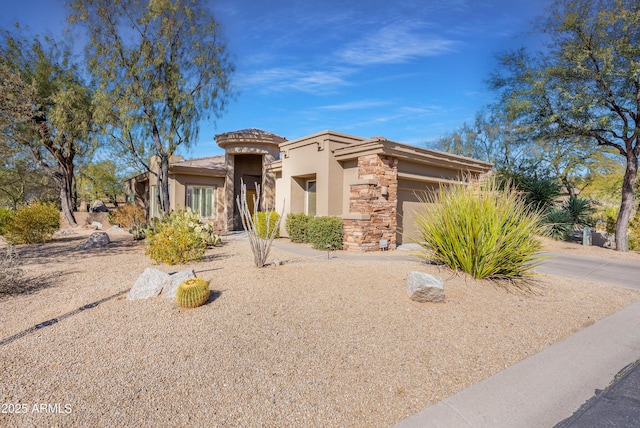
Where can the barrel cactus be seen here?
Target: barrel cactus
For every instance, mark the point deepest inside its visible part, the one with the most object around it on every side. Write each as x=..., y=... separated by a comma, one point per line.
x=192, y=293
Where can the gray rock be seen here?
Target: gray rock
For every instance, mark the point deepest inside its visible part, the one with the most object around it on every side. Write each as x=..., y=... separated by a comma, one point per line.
x=64, y=232
x=173, y=281
x=96, y=240
x=149, y=284
x=96, y=224
x=99, y=207
x=422, y=287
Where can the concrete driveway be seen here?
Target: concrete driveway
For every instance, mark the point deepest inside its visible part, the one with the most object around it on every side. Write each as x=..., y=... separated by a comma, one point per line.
x=616, y=272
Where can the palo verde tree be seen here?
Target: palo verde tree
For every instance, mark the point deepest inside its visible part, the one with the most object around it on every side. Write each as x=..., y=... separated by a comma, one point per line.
x=586, y=85
x=45, y=109
x=159, y=67
x=21, y=179
x=100, y=180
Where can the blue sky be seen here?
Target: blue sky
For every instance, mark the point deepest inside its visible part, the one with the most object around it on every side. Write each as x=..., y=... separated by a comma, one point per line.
x=407, y=70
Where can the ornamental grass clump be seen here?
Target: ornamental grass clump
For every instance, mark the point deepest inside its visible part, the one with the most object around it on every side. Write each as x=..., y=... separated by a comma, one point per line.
x=480, y=230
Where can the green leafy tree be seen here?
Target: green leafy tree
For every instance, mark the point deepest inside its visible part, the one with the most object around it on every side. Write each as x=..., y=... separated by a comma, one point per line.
x=586, y=86
x=101, y=180
x=45, y=109
x=21, y=179
x=159, y=66
x=493, y=138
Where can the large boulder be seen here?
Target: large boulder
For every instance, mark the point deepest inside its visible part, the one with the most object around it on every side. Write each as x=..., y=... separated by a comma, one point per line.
x=96, y=240
x=422, y=287
x=99, y=207
x=174, y=280
x=149, y=284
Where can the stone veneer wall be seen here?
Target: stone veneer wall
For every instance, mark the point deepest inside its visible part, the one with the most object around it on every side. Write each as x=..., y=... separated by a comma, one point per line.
x=372, y=216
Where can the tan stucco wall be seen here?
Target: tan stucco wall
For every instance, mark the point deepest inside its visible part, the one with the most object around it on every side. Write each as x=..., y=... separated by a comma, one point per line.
x=349, y=176
x=312, y=158
x=179, y=185
x=429, y=171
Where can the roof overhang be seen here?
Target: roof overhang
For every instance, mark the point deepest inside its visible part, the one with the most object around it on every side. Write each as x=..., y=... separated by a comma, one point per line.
x=193, y=170
x=379, y=145
x=139, y=178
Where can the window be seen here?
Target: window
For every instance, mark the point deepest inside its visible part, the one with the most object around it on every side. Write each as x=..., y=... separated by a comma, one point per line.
x=154, y=206
x=310, y=208
x=201, y=200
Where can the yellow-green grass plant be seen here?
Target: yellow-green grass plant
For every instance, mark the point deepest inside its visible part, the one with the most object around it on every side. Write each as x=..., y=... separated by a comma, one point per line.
x=481, y=230
x=192, y=293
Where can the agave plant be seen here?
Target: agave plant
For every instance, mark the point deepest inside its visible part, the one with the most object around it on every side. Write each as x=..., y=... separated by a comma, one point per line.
x=559, y=223
x=579, y=210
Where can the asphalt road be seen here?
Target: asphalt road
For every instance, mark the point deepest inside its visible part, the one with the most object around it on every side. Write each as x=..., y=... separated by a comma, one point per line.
x=617, y=272
x=618, y=405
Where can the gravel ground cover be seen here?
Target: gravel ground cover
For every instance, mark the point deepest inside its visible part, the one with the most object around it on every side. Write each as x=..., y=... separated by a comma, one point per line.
x=313, y=342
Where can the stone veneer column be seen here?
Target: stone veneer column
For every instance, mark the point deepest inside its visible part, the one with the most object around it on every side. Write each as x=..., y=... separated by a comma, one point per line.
x=372, y=215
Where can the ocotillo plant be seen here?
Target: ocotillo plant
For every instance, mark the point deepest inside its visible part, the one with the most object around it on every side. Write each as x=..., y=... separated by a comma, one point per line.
x=259, y=246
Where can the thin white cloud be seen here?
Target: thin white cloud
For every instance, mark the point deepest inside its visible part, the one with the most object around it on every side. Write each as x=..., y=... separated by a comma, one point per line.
x=280, y=79
x=355, y=105
x=394, y=44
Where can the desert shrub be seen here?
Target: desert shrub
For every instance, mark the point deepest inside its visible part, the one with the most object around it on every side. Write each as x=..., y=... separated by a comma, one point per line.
x=264, y=229
x=483, y=231
x=139, y=231
x=127, y=216
x=609, y=218
x=559, y=223
x=323, y=231
x=176, y=238
x=33, y=224
x=540, y=193
x=297, y=226
x=579, y=210
x=11, y=274
x=6, y=215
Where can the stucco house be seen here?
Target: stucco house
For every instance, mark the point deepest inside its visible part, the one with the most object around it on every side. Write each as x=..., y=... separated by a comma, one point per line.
x=373, y=184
